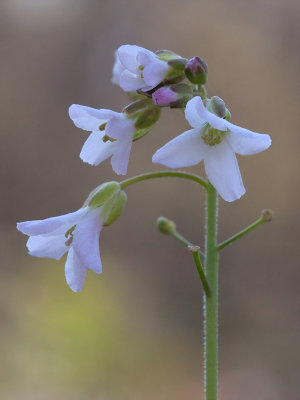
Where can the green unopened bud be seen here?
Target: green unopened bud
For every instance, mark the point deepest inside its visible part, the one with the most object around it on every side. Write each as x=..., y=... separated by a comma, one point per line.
x=266, y=215
x=147, y=118
x=133, y=108
x=101, y=194
x=196, y=70
x=217, y=106
x=165, y=225
x=115, y=208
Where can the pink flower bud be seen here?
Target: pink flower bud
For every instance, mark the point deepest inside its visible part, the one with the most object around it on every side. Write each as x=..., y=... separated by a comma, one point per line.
x=164, y=96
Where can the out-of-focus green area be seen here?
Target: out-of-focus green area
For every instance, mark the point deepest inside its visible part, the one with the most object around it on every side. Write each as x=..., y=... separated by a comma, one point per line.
x=135, y=332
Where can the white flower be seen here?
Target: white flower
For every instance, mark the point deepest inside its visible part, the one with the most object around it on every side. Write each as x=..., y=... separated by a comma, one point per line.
x=111, y=136
x=76, y=233
x=215, y=141
x=138, y=68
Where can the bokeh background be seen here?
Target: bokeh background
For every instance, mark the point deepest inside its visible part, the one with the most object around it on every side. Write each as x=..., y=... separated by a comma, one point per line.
x=135, y=332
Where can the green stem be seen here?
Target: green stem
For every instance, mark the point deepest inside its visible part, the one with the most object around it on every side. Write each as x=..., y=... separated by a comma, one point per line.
x=211, y=302
x=243, y=232
x=163, y=174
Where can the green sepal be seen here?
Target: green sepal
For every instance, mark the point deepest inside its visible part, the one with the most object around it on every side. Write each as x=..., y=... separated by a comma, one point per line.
x=140, y=133
x=217, y=106
x=146, y=119
x=166, y=55
x=173, y=77
x=133, y=108
x=115, y=208
x=102, y=194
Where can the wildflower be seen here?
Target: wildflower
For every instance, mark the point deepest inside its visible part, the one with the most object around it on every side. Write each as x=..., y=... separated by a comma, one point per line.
x=76, y=233
x=138, y=68
x=111, y=136
x=214, y=140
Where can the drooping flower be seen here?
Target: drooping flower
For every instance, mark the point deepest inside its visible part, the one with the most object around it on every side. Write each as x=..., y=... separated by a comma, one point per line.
x=138, y=68
x=76, y=233
x=111, y=136
x=214, y=140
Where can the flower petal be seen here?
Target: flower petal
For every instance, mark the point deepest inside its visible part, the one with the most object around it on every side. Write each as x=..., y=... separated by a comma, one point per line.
x=183, y=151
x=75, y=271
x=120, y=158
x=213, y=120
x=86, y=118
x=51, y=225
x=192, y=113
x=94, y=150
x=128, y=57
x=120, y=127
x=145, y=57
x=130, y=81
x=223, y=171
x=155, y=72
x=47, y=246
x=118, y=68
x=246, y=142
x=86, y=240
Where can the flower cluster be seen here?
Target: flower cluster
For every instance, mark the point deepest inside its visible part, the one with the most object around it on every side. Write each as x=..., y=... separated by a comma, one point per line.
x=153, y=81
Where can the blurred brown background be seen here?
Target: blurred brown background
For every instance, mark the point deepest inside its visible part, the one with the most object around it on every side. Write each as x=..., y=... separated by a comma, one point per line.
x=135, y=332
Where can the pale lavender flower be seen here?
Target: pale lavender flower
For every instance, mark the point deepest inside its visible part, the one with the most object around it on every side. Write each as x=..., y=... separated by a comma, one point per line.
x=76, y=233
x=111, y=136
x=138, y=68
x=215, y=141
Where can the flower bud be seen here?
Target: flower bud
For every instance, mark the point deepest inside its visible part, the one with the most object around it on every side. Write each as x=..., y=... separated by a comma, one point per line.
x=101, y=194
x=266, y=215
x=164, y=96
x=174, y=96
x=217, y=106
x=165, y=225
x=196, y=70
x=116, y=208
x=147, y=117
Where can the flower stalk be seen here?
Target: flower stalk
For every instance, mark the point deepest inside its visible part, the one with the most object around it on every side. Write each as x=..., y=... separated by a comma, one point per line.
x=266, y=216
x=162, y=174
x=211, y=301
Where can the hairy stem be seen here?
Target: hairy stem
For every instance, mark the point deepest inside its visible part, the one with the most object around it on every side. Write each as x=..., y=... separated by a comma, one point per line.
x=211, y=301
